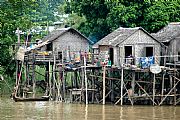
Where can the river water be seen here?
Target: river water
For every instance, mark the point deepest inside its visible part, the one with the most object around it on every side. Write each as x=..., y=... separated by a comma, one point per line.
x=51, y=110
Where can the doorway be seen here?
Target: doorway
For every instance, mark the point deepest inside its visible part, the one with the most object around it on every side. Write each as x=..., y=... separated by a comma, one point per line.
x=111, y=55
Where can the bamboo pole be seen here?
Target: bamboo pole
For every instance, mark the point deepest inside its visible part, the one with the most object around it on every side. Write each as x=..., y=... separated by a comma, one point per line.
x=169, y=92
x=17, y=63
x=63, y=77
x=171, y=85
x=54, y=79
x=154, y=88
x=162, y=91
x=145, y=92
x=122, y=79
x=33, y=76
x=93, y=86
x=18, y=80
x=50, y=92
x=174, y=92
x=104, y=84
x=133, y=84
x=85, y=76
x=82, y=83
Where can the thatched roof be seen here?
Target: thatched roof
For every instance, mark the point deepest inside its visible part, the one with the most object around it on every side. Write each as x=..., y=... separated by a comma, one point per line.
x=57, y=33
x=168, y=33
x=118, y=36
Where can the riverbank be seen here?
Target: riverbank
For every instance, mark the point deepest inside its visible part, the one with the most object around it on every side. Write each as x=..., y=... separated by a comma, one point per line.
x=56, y=110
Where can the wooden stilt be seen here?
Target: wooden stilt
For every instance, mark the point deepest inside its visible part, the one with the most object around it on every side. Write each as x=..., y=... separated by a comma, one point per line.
x=63, y=77
x=154, y=82
x=122, y=79
x=33, y=76
x=18, y=80
x=174, y=91
x=93, y=86
x=86, y=82
x=146, y=93
x=133, y=84
x=50, y=90
x=171, y=84
x=170, y=91
x=104, y=84
x=162, y=90
x=82, y=83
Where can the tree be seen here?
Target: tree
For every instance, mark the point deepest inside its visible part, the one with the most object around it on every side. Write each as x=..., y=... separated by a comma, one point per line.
x=95, y=12
x=104, y=16
x=22, y=14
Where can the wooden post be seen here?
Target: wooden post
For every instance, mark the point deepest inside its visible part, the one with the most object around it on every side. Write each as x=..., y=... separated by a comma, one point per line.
x=85, y=76
x=104, y=83
x=17, y=62
x=162, y=91
x=170, y=91
x=18, y=80
x=174, y=92
x=133, y=83
x=171, y=85
x=154, y=88
x=122, y=79
x=82, y=83
x=63, y=77
x=54, y=79
x=93, y=86
x=33, y=76
x=53, y=75
x=50, y=91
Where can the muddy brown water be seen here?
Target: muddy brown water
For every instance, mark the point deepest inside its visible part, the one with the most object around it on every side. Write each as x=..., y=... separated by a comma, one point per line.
x=50, y=110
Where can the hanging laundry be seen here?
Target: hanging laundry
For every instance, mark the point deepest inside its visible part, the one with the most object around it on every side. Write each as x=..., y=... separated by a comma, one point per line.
x=146, y=62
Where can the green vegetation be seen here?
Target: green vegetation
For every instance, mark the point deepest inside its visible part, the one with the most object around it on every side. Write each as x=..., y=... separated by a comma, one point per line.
x=25, y=15
x=104, y=16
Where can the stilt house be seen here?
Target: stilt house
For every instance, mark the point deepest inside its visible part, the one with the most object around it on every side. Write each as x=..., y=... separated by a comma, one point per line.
x=124, y=42
x=170, y=36
x=68, y=40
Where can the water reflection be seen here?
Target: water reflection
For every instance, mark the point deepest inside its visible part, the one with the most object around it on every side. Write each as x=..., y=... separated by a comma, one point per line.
x=64, y=111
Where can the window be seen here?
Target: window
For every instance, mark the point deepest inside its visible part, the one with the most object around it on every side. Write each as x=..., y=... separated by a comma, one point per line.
x=49, y=47
x=149, y=52
x=128, y=51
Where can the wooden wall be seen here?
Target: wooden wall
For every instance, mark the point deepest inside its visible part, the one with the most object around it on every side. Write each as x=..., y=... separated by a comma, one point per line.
x=174, y=48
x=139, y=40
x=75, y=41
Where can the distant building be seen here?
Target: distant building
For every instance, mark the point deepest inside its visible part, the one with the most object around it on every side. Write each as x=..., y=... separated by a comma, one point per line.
x=124, y=42
x=170, y=36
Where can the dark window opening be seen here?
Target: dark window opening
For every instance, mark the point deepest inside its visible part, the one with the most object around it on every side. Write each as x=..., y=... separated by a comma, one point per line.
x=111, y=55
x=128, y=51
x=60, y=55
x=178, y=56
x=49, y=47
x=149, y=51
